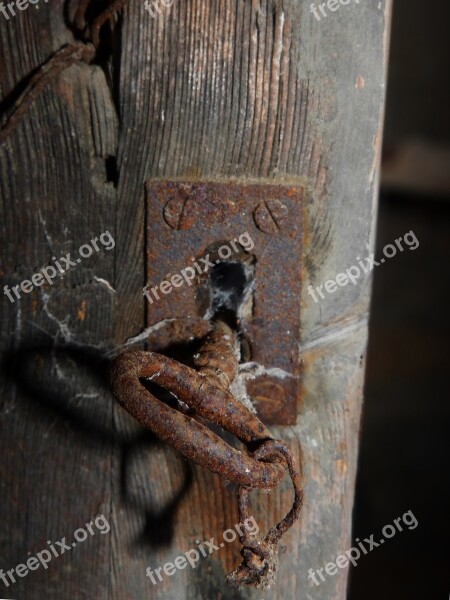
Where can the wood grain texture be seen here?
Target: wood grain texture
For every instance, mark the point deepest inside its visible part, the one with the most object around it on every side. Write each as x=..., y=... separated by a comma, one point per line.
x=207, y=89
x=56, y=434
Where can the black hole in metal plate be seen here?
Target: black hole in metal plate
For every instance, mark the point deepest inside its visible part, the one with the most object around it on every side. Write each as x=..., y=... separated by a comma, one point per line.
x=225, y=290
x=228, y=283
x=231, y=297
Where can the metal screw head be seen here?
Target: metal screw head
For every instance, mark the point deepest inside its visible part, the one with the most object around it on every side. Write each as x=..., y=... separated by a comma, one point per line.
x=176, y=212
x=270, y=215
x=265, y=391
x=191, y=204
x=173, y=212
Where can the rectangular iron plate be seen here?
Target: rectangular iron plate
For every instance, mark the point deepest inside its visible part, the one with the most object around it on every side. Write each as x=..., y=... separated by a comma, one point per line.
x=185, y=219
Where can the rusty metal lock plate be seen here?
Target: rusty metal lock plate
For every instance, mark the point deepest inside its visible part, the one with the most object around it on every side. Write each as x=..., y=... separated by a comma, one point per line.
x=192, y=224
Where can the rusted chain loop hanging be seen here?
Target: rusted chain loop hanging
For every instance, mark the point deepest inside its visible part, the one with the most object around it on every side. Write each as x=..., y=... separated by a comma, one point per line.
x=260, y=556
x=77, y=52
x=207, y=393
x=183, y=432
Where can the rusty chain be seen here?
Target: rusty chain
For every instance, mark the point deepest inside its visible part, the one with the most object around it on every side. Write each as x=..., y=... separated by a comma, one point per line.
x=206, y=392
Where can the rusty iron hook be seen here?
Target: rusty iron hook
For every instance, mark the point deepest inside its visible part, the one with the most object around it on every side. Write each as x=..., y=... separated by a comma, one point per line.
x=207, y=393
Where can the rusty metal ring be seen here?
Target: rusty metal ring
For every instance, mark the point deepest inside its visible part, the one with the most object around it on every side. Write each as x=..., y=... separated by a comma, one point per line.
x=206, y=392
x=268, y=451
x=184, y=433
x=260, y=558
x=272, y=450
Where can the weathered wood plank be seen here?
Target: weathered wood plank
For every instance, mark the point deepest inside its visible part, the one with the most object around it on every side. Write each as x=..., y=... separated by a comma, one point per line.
x=56, y=435
x=207, y=89
x=252, y=90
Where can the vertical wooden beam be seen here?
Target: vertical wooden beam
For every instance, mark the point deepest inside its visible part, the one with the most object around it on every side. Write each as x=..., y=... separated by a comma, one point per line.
x=56, y=438
x=242, y=89
x=252, y=90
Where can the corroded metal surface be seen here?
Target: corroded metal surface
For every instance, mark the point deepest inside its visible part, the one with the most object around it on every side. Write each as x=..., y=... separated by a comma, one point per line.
x=260, y=556
x=187, y=221
x=206, y=393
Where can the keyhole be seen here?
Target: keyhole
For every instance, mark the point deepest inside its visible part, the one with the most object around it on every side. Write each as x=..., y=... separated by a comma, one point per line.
x=228, y=283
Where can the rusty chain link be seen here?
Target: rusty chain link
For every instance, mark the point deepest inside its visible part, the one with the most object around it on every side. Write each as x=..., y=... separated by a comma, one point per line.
x=206, y=392
x=260, y=556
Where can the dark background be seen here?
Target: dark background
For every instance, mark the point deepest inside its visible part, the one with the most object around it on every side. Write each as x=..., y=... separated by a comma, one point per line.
x=405, y=429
